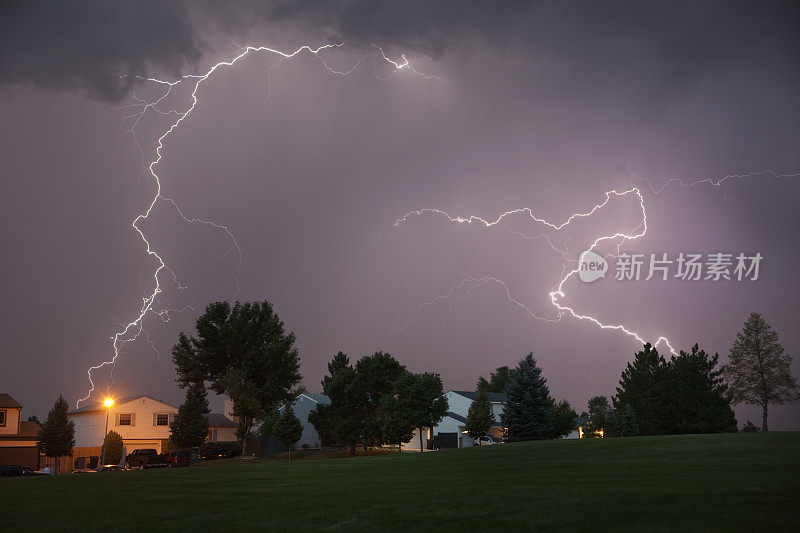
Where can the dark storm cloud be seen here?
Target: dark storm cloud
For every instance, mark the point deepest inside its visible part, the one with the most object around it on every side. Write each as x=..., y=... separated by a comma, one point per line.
x=87, y=45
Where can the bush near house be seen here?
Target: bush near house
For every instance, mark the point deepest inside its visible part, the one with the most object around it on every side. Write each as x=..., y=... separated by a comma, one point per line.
x=217, y=450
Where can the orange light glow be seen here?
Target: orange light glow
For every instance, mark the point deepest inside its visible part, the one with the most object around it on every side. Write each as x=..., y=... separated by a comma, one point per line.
x=108, y=402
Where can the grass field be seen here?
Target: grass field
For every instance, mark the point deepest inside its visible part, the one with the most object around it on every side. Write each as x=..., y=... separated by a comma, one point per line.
x=731, y=482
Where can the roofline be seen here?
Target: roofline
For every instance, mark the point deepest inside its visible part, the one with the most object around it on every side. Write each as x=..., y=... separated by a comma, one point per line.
x=468, y=398
x=81, y=411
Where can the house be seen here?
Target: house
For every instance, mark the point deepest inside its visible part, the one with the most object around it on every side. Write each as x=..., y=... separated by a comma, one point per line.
x=450, y=432
x=302, y=406
x=18, y=438
x=142, y=422
x=221, y=428
x=577, y=428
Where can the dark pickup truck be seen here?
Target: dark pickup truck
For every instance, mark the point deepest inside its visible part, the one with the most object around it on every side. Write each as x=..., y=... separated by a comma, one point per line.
x=145, y=458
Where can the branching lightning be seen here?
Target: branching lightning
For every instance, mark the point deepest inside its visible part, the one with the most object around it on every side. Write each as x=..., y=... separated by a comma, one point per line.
x=557, y=295
x=139, y=108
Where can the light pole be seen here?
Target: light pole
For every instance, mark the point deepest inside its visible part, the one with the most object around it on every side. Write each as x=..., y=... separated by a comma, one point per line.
x=109, y=403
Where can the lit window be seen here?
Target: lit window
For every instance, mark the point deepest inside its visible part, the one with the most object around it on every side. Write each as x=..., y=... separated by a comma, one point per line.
x=125, y=419
x=162, y=420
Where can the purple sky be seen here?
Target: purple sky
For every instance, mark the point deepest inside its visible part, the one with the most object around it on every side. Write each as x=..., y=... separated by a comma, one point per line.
x=541, y=106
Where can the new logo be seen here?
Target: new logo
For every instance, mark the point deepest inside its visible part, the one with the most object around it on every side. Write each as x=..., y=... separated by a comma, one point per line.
x=591, y=266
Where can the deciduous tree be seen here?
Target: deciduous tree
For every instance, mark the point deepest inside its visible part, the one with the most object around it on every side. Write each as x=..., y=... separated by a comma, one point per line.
x=245, y=353
x=563, y=418
x=288, y=428
x=759, y=372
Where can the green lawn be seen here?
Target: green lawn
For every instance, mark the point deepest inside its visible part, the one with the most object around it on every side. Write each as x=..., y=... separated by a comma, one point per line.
x=740, y=482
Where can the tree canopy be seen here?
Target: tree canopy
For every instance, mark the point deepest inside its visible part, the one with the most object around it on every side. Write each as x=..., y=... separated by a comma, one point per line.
x=759, y=372
x=288, y=428
x=243, y=352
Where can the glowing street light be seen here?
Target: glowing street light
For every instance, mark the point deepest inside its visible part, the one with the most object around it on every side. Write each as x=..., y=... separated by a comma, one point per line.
x=109, y=403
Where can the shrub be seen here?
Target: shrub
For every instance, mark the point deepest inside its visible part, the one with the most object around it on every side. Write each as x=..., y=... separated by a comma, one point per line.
x=749, y=427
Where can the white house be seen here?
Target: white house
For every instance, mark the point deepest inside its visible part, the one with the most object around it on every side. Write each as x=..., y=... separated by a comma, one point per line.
x=142, y=422
x=451, y=430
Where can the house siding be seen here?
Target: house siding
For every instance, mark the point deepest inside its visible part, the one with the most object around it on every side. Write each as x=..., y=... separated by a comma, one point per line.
x=143, y=433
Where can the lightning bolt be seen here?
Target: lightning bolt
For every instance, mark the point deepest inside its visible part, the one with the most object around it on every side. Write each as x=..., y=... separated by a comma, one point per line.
x=558, y=295
x=139, y=108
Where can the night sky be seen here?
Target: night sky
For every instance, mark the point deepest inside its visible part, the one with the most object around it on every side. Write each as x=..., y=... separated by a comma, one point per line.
x=542, y=105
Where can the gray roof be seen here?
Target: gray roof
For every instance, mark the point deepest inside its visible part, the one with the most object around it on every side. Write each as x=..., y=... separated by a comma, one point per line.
x=7, y=402
x=218, y=420
x=455, y=416
x=494, y=397
x=319, y=398
x=98, y=405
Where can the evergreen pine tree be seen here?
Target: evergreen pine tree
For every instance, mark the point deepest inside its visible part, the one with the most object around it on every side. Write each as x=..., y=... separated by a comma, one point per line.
x=613, y=424
x=189, y=426
x=700, y=396
x=479, y=415
x=644, y=386
x=563, y=418
x=759, y=373
x=527, y=414
x=288, y=428
x=57, y=436
x=628, y=427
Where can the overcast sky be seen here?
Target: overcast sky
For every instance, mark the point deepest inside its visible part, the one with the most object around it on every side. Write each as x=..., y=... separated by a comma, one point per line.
x=541, y=105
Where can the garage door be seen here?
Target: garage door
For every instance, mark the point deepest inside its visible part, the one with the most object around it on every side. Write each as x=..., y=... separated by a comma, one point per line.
x=447, y=440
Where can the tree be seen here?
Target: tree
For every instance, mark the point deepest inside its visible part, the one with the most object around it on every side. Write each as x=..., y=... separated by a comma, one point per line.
x=34, y=418
x=644, y=387
x=700, y=396
x=244, y=352
x=749, y=427
x=288, y=428
x=563, y=418
x=479, y=415
x=613, y=424
x=113, y=447
x=628, y=425
x=57, y=435
x=396, y=424
x=527, y=414
x=598, y=410
x=499, y=379
x=420, y=398
x=375, y=376
x=759, y=373
x=189, y=426
x=342, y=419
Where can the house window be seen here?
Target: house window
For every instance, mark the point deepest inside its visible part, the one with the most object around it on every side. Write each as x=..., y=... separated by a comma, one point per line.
x=125, y=419
x=2, y=417
x=162, y=420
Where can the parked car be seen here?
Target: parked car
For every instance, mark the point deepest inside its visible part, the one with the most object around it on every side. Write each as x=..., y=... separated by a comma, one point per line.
x=487, y=440
x=17, y=471
x=178, y=458
x=145, y=458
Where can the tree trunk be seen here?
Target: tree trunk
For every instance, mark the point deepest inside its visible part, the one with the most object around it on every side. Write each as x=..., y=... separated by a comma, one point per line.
x=421, y=447
x=290, y=453
x=55, y=465
x=764, y=418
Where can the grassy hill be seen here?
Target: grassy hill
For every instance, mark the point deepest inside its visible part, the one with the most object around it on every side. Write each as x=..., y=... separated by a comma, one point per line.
x=739, y=482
